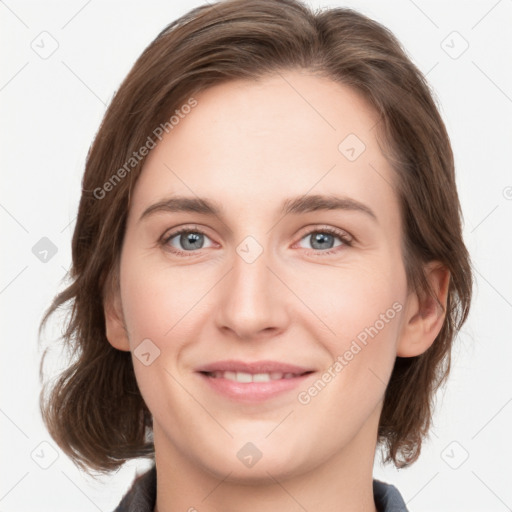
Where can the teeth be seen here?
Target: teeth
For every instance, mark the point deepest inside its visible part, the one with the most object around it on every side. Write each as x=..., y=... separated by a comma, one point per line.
x=243, y=377
x=261, y=377
x=249, y=377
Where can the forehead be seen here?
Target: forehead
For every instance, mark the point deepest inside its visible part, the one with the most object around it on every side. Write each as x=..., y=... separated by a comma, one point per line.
x=284, y=135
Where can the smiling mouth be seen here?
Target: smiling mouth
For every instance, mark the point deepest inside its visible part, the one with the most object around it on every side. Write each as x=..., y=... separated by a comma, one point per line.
x=245, y=377
x=253, y=381
x=254, y=387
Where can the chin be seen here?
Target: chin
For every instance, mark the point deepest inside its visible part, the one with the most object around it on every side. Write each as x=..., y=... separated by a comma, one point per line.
x=256, y=462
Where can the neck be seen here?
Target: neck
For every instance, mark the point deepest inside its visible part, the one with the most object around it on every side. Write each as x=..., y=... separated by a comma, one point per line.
x=343, y=482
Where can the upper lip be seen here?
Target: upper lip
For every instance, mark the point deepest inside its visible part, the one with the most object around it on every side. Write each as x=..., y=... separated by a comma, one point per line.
x=232, y=365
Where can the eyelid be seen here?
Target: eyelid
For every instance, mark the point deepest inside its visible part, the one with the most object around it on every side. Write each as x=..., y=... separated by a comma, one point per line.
x=346, y=239
x=325, y=228
x=173, y=232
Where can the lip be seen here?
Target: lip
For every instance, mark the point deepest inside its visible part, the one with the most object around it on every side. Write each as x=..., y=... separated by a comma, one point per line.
x=250, y=392
x=267, y=366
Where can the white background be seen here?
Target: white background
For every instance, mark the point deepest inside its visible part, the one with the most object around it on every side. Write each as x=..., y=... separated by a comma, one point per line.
x=50, y=111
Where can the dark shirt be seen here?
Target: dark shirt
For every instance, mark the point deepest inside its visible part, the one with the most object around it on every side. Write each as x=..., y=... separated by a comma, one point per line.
x=142, y=495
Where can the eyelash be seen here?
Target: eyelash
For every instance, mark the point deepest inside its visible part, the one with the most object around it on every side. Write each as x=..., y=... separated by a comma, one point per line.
x=342, y=235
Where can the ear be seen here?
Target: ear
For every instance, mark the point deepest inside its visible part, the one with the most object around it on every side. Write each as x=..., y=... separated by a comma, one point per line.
x=115, y=327
x=424, y=317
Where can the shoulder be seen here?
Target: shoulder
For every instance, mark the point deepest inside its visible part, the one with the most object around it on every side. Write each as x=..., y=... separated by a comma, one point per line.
x=387, y=497
x=141, y=497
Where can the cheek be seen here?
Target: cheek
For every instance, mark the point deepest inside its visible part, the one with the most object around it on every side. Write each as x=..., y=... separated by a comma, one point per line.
x=365, y=315
x=157, y=300
x=356, y=299
x=158, y=304
x=363, y=311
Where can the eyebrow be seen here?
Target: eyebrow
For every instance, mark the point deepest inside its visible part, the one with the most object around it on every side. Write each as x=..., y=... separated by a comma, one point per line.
x=294, y=206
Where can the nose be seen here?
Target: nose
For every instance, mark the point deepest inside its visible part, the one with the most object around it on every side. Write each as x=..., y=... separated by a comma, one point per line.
x=253, y=299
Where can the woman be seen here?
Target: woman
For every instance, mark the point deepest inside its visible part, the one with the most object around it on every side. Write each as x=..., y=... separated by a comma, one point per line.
x=212, y=330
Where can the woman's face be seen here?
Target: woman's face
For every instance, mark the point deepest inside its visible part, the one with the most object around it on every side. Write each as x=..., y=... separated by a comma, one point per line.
x=270, y=286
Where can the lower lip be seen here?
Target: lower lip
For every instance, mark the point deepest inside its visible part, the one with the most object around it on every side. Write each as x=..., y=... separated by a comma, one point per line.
x=253, y=391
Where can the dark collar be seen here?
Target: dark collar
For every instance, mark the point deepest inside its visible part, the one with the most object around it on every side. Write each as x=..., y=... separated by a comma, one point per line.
x=142, y=495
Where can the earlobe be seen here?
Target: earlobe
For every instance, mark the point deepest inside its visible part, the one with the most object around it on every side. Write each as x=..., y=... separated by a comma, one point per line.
x=115, y=328
x=424, y=315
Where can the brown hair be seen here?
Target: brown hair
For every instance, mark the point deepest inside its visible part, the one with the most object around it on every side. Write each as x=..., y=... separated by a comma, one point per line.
x=94, y=409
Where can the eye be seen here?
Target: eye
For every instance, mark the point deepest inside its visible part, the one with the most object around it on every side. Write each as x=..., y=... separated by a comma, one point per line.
x=322, y=239
x=187, y=239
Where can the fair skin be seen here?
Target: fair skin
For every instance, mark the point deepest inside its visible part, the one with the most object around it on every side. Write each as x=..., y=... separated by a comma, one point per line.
x=248, y=146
